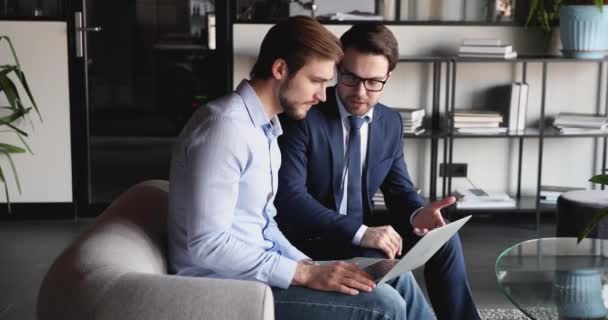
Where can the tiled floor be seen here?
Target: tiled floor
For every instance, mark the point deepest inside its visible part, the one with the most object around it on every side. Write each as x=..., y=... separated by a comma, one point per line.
x=28, y=248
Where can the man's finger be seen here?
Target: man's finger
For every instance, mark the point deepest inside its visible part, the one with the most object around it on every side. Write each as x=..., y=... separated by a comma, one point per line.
x=354, y=283
x=396, y=241
x=440, y=204
x=439, y=219
x=346, y=290
x=386, y=247
x=353, y=271
x=420, y=232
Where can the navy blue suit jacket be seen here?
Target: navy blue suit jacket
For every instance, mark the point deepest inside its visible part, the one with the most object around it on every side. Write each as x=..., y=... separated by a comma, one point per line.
x=312, y=168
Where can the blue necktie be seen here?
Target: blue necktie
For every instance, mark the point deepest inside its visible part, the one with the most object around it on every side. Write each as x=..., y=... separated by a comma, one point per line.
x=354, y=203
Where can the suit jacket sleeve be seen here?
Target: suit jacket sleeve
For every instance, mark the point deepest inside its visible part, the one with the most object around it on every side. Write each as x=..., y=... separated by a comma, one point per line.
x=399, y=191
x=296, y=207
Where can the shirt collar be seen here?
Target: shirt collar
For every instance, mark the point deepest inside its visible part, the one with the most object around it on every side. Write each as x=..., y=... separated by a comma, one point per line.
x=345, y=114
x=256, y=110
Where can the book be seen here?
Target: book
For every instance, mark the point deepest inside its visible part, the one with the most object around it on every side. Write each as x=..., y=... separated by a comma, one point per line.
x=481, y=42
x=476, y=113
x=514, y=106
x=486, y=49
x=522, y=106
x=407, y=113
x=479, y=198
x=575, y=131
x=415, y=132
x=581, y=117
x=478, y=119
x=482, y=130
x=565, y=124
x=507, y=55
x=555, y=191
x=475, y=124
x=580, y=120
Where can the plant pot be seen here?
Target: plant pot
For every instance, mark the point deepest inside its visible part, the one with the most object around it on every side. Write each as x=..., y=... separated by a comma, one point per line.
x=584, y=31
x=578, y=294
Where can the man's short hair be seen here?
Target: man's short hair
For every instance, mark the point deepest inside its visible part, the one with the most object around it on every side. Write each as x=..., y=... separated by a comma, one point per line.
x=295, y=40
x=374, y=38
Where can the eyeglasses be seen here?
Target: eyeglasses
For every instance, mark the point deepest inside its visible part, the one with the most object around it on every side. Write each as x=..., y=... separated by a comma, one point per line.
x=350, y=79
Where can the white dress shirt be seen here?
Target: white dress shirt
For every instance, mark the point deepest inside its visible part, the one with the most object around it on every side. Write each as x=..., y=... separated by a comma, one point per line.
x=364, y=132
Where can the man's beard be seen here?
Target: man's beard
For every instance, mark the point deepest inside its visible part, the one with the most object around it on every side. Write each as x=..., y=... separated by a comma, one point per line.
x=290, y=109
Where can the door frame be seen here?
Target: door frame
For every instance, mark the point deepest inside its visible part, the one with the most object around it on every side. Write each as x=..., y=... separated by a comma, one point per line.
x=79, y=112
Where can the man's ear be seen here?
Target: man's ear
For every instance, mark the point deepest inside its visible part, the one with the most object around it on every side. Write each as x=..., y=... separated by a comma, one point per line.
x=389, y=75
x=279, y=69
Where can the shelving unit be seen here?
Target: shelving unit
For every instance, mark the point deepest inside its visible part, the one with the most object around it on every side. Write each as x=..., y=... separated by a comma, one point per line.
x=442, y=127
x=435, y=132
x=524, y=203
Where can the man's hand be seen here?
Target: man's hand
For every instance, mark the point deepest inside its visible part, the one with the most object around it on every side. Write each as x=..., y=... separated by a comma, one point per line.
x=383, y=238
x=429, y=217
x=340, y=277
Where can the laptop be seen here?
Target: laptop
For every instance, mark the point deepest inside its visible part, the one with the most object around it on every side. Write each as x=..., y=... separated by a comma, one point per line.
x=383, y=270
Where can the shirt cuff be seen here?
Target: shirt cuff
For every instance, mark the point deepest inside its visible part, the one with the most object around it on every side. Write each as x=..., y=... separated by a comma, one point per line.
x=414, y=215
x=283, y=273
x=359, y=235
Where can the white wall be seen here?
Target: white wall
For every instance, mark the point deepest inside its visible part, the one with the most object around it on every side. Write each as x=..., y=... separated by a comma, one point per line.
x=45, y=176
x=492, y=163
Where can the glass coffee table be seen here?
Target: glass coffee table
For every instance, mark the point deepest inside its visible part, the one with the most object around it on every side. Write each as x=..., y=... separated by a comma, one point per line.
x=556, y=278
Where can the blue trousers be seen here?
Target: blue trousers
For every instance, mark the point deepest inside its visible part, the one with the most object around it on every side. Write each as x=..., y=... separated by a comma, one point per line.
x=398, y=299
x=445, y=273
x=447, y=282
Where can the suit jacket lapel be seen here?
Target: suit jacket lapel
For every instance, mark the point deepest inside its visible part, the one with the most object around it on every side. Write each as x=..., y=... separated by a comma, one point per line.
x=374, y=148
x=336, y=141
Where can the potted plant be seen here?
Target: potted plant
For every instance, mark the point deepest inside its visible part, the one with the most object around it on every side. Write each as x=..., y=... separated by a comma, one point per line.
x=583, y=25
x=12, y=112
x=603, y=180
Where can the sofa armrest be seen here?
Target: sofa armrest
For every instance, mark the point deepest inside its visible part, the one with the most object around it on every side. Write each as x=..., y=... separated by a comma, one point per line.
x=148, y=296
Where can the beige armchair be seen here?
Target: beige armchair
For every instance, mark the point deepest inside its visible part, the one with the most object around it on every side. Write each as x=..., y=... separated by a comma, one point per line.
x=118, y=270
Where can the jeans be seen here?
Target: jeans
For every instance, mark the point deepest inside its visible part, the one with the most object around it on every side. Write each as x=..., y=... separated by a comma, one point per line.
x=400, y=298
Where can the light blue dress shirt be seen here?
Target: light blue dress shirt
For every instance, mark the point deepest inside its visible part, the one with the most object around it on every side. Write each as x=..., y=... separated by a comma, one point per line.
x=224, y=175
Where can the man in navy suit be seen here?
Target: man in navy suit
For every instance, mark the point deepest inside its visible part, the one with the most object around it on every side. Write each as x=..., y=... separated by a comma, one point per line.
x=347, y=148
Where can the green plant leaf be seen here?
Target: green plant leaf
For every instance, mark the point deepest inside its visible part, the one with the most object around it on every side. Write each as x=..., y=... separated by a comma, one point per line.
x=5, y=147
x=7, y=120
x=533, y=9
x=6, y=194
x=13, y=88
x=12, y=163
x=10, y=91
x=10, y=45
x=599, y=4
x=592, y=224
x=21, y=76
x=19, y=131
x=600, y=178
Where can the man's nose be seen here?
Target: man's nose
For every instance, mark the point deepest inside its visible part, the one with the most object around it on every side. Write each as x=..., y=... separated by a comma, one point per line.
x=320, y=94
x=360, y=88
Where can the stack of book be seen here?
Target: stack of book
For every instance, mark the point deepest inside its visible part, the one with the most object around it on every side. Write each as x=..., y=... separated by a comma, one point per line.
x=573, y=123
x=480, y=199
x=549, y=194
x=486, y=48
x=412, y=120
x=478, y=121
x=378, y=200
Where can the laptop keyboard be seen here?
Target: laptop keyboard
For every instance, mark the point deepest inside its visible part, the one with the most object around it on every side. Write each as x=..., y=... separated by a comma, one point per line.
x=381, y=268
